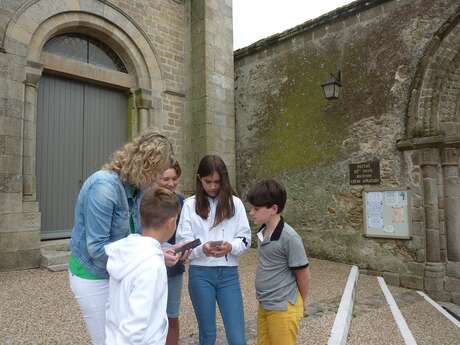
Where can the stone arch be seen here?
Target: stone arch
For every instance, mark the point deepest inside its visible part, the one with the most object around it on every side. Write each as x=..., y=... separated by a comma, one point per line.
x=433, y=107
x=100, y=29
x=433, y=138
x=39, y=20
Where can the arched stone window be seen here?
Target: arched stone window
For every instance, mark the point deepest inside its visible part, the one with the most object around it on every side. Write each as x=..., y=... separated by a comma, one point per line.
x=85, y=49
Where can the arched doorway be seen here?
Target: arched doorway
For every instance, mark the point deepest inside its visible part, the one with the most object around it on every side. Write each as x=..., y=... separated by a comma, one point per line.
x=432, y=142
x=26, y=33
x=79, y=124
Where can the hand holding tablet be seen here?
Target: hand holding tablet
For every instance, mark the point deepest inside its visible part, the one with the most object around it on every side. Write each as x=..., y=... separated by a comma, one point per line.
x=187, y=246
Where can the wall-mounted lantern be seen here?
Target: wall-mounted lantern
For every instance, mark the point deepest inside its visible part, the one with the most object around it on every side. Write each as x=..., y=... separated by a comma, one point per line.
x=331, y=87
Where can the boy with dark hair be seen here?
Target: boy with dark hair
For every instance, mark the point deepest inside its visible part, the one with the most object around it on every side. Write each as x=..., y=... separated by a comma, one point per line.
x=282, y=270
x=138, y=287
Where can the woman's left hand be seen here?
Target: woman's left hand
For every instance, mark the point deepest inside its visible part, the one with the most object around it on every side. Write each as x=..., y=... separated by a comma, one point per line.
x=170, y=257
x=223, y=249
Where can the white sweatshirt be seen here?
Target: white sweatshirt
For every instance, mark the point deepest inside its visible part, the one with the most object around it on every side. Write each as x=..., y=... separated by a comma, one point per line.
x=235, y=230
x=138, y=292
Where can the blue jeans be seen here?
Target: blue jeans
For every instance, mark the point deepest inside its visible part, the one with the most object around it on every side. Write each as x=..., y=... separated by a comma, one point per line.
x=222, y=284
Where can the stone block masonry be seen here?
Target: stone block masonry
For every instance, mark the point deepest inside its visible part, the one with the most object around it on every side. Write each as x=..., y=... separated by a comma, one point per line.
x=285, y=129
x=166, y=84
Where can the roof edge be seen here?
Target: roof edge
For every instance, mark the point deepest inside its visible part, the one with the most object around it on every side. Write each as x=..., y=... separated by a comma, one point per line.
x=339, y=13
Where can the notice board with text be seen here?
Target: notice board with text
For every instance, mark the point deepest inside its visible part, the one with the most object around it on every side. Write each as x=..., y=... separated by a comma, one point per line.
x=386, y=213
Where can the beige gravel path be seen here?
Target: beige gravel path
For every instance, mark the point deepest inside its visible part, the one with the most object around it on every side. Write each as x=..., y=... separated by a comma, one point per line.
x=428, y=325
x=373, y=322
x=37, y=307
x=328, y=281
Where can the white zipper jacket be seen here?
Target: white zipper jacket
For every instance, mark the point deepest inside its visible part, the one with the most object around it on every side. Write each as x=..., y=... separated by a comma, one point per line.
x=138, y=292
x=235, y=230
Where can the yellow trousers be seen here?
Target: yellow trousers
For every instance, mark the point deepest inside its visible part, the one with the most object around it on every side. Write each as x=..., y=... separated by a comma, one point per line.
x=276, y=327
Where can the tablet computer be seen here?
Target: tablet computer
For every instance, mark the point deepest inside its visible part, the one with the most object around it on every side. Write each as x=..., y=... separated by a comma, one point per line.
x=188, y=245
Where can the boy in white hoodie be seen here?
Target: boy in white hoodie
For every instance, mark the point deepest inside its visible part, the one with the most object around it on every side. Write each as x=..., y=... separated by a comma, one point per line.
x=136, y=311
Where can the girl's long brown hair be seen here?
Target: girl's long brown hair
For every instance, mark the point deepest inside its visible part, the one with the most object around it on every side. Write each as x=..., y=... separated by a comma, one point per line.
x=225, y=206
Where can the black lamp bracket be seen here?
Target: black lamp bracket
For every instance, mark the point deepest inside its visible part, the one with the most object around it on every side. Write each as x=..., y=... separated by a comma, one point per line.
x=338, y=77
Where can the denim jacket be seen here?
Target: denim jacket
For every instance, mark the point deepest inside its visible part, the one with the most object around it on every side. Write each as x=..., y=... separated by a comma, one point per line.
x=102, y=216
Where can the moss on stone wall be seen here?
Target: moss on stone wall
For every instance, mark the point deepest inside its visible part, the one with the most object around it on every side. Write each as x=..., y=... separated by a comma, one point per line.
x=291, y=123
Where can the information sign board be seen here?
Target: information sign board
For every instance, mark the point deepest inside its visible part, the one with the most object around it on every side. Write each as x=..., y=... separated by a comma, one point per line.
x=365, y=173
x=386, y=213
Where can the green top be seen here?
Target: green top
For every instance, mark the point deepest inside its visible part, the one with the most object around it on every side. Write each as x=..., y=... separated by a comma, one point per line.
x=133, y=191
x=76, y=268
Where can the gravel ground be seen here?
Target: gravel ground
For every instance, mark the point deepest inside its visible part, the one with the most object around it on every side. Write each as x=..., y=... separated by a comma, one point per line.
x=373, y=322
x=426, y=323
x=37, y=307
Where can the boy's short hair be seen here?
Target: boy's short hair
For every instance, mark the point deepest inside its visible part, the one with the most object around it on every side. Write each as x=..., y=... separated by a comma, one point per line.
x=157, y=206
x=267, y=193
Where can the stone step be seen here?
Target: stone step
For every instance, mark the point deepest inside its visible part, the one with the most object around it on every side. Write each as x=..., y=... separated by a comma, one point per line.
x=55, y=254
x=53, y=257
x=58, y=245
x=58, y=268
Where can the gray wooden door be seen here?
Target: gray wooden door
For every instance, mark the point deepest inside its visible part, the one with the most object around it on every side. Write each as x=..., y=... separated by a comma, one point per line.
x=78, y=126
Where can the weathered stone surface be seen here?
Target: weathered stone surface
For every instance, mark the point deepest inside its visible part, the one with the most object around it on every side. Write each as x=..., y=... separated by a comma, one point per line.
x=455, y=298
x=13, y=241
x=452, y=284
x=20, y=222
x=11, y=107
x=8, y=260
x=440, y=295
x=415, y=268
x=387, y=264
x=28, y=258
x=391, y=278
x=52, y=257
x=10, y=183
x=420, y=255
x=10, y=202
x=411, y=281
x=30, y=207
x=372, y=273
x=211, y=86
x=288, y=131
x=10, y=126
x=418, y=228
x=3, y=139
x=10, y=165
x=12, y=67
x=453, y=269
x=434, y=284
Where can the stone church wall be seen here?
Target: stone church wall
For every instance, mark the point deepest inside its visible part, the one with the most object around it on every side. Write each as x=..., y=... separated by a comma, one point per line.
x=287, y=130
x=169, y=89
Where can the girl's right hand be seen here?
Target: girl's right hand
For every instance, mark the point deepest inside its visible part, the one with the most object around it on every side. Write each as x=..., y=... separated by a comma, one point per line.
x=208, y=250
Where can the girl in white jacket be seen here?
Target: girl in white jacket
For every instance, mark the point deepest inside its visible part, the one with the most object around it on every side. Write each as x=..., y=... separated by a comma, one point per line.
x=138, y=288
x=218, y=219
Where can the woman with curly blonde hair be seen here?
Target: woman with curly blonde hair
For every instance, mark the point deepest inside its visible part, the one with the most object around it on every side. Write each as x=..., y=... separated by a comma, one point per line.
x=107, y=210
